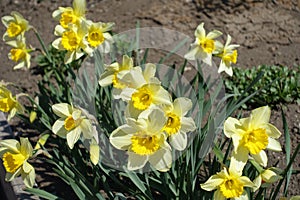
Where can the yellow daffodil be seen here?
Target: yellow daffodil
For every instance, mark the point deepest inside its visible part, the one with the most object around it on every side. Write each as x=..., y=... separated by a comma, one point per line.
x=229, y=184
x=71, y=123
x=143, y=90
x=8, y=103
x=15, y=155
x=265, y=178
x=253, y=135
x=16, y=26
x=71, y=16
x=114, y=73
x=19, y=53
x=228, y=55
x=177, y=125
x=72, y=40
x=204, y=45
x=98, y=35
x=144, y=141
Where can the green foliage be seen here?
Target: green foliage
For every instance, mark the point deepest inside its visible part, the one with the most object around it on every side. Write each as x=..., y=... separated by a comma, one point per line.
x=279, y=85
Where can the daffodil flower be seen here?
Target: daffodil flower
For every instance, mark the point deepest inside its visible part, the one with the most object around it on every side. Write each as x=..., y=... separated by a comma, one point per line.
x=143, y=90
x=73, y=16
x=72, y=40
x=228, y=55
x=16, y=26
x=144, y=141
x=98, y=35
x=8, y=103
x=15, y=155
x=229, y=184
x=204, y=45
x=19, y=53
x=114, y=73
x=253, y=135
x=71, y=123
x=265, y=178
x=177, y=125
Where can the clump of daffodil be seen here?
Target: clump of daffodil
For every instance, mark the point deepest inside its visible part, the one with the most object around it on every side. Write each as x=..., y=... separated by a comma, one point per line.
x=15, y=155
x=71, y=123
x=177, y=125
x=71, y=15
x=253, y=135
x=144, y=141
x=204, y=45
x=114, y=72
x=20, y=53
x=16, y=26
x=9, y=103
x=228, y=55
x=229, y=184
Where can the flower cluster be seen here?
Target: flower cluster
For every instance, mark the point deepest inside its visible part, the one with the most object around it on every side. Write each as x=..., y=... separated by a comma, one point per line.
x=78, y=35
x=205, y=46
x=15, y=37
x=250, y=137
x=154, y=123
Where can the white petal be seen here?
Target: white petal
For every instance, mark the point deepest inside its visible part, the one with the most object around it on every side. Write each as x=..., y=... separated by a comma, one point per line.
x=156, y=121
x=178, y=141
x=62, y=109
x=187, y=124
x=87, y=128
x=149, y=71
x=58, y=128
x=193, y=53
x=121, y=137
x=136, y=161
x=212, y=183
x=106, y=78
x=182, y=105
x=29, y=178
x=273, y=131
x=161, y=159
x=214, y=34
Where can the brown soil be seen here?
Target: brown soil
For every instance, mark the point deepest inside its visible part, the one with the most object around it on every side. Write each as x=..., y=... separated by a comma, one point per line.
x=268, y=31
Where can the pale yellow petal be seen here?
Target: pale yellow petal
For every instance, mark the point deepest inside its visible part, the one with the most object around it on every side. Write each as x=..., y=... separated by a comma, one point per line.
x=182, y=105
x=11, y=144
x=26, y=148
x=94, y=152
x=29, y=178
x=269, y=176
x=121, y=137
x=187, y=124
x=149, y=71
x=58, y=128
x=274, y=145
x=218, y=195
x=260, y=116
x=212, y=183
x=257, y=182
x=232, y=126
x=272, y=131
x=178, y=141
x=261, y=158
x=73, y=136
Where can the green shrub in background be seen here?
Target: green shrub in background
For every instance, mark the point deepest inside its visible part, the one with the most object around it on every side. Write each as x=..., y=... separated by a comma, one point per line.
x=278, y=85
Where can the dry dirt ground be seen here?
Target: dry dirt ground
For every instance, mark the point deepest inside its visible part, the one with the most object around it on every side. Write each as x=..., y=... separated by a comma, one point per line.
x=268, y=32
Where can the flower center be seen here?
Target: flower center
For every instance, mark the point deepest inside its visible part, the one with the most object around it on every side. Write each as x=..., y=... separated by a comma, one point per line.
x=12, y=162
x=230, y=58
x=67, y=18
x=95, y=37
x=6, y=104
x=256, y=140
x=142, y=98
x=70, y=40
x=231, y=188
x=17, y=54
x=207, y=45
x=143, y=144
x=14, y=29
x=172, y=125
x=70, y=123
